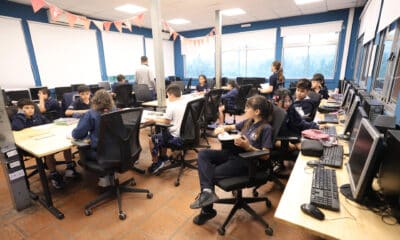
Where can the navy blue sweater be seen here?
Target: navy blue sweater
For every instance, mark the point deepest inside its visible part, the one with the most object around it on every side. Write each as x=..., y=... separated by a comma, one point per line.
x=229, y=99
x=298, y=116
x=88, y=126
x=20, y=121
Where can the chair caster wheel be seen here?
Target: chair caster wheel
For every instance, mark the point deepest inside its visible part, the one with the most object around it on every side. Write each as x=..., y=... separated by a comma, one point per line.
x=122, y=216
x=177, y=183
x=268, y=203
x=133, y=183
x=221, y=231
x=269, y=231
x=149, y=195
x=255, y=193
x=88, y=212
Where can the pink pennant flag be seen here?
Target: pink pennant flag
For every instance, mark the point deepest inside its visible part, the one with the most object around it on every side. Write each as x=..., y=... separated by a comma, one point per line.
x=55, y=12
x=165, y=25
x=141, y=20
x=212, y=32
x=37, y=5
x=175, y=35
x=118, y=25
x=128, y=24
x=98, y=24
x=107, y=26
x=71, y=19
x=86, y=23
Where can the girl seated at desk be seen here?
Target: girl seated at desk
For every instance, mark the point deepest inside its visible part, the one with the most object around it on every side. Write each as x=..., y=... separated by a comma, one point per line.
x=202, y=86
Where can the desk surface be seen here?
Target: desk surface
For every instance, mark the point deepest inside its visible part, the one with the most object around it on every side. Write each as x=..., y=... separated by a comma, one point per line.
x=187, y=97
x=44, y=140
x=352, y=222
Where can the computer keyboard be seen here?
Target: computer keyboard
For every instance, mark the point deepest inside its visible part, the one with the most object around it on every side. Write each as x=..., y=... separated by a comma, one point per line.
x=330, y=130
x=330, y=118
x=324, y=190
x=333, y=156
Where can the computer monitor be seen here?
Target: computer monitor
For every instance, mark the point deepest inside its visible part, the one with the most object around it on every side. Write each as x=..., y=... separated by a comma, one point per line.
x=351, y=115
x=349, y=100
x=355, y=126
x=60, y=92
x=15, y=95
x=346, y=93
x=105, y=85
x=34, y=93
x=74, y=87
x=361, y=165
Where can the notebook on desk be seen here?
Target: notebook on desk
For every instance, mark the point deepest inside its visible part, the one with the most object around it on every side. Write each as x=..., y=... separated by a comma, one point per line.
x=228, y=143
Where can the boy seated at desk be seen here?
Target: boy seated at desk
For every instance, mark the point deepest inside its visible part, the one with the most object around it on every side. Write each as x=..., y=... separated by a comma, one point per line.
x=25, y=118
x=48, y=104
x=228, y=99
x=173, y=115
x=120, y=81
x=80, y=105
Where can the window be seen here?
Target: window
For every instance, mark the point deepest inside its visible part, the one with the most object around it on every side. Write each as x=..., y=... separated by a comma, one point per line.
x=305, y=55
x=367, y=49
x=359, y=60
x=199, y=56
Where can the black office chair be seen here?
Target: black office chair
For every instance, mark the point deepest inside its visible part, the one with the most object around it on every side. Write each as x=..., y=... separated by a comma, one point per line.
x=188, y=87
x=118, y=149
x=190, y=135
x=67, y=99
x=181, y=85
x=142, y=94
x=212, y=102
x=240, y=102
x=123, y=96
x=60, y=92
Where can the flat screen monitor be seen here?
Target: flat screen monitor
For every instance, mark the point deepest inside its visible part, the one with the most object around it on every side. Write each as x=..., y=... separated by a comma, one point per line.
x=255, y=81
x=34, y=93
x=74, y=87
x=349, y=100
x=361, y=165
x=358, y=116
x=16, y=95
x=346, y=93
x=105, y=85
x=60, y=92
x=351, y=115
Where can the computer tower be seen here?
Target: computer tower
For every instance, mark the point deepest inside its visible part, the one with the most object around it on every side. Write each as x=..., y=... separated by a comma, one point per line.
x=373, y=108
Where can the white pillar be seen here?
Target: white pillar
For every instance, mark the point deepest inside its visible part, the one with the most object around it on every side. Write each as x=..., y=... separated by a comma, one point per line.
x=349, y=26
x=218, y=52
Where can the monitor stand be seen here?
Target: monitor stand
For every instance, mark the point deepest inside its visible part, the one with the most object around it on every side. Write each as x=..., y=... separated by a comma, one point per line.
x=345, y=190
x=370, y=199
x=345, y=137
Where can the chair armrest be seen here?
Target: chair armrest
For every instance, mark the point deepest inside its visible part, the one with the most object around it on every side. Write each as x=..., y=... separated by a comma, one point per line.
x=255, y=154
x=164, y=125
x=287, y=138
x=80, y=143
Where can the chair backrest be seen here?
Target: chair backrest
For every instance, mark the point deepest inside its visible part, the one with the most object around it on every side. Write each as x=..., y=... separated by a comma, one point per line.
x=142, y=92
x=119, y=147
x=190, y=129
x=241, y=98
x=189, y=84
x=278, y=117
x=180, y=84
x=212, y=101
x=67, y=100
x=123, y=96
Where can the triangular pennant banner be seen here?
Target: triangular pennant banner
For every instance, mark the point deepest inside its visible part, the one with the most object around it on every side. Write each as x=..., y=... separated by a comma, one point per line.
x=55, y=12
x=107, y=26
x=118, y=25
x=99, y=24
x=37, y=5
x=165, y=26
x=86, y=23
x=140, y=20
x=128, y=24
x=71, y=19
x=175, y=35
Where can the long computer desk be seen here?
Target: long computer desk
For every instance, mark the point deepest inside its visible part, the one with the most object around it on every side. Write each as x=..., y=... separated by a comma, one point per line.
x=186, y=97
x=42, y=141
x=352, y=222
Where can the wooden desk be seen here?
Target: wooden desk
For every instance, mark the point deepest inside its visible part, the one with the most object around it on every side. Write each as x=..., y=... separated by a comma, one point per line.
x=42, y=141
x=352, y=222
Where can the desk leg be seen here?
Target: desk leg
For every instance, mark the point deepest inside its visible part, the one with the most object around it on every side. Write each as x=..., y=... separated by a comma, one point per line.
x=47, y=202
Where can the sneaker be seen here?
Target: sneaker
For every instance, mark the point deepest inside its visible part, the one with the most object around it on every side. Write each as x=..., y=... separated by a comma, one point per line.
x=72, y=173
x=204, y=199
x=159, y=164
x=277, y=166
x=57, y=180
x=104, y=182
x=152, y=167
x=204, y=216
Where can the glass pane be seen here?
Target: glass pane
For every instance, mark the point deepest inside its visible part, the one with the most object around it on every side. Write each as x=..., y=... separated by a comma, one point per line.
x=324, y=38
x=396, y=83
x=360, y=56
x=199, y=64
x=380, y=78
x=295, y=62
x=231, y=62
x=259, y=62
x=302, y=39
x=365, y=65
x=322, y=60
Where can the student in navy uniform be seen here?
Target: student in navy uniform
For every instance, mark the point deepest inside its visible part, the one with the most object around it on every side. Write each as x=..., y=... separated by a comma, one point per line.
x=89, y=125
x=202, y=84
x=276, y=80
x=120, y=81
x=47, y=103
x=318, y=85
x=25, y=118
x=80, y=105
x=256, y=135
x=228, y=100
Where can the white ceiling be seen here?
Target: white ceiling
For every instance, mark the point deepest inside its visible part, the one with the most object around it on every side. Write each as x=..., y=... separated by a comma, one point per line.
x=201, y=13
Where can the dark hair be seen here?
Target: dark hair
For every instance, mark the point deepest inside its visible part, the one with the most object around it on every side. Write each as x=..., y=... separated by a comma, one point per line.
x=143, y=59
x=258, y=102
x=278, y=66
x=203, y=76
x=102, y=101
x=25, y=101
x=304, y=83
x=83, y=88
x=44, y=90
x=319, y=77
x=174, y=90
x=120, y=78
x=233, y=84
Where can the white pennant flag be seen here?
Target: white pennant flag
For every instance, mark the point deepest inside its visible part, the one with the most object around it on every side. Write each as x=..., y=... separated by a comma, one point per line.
x=99, y=24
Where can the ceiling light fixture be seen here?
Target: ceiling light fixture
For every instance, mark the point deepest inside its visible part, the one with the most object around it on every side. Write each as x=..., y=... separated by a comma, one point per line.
x=178, y=21
x=233, y=12
x=302, y=2
x=130, y=8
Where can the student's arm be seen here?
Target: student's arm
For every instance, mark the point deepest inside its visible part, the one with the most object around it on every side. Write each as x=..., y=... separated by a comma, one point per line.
x=42, y=102
x=225, y=128
x=84, y=126
x=270, y=88
x=17, y=124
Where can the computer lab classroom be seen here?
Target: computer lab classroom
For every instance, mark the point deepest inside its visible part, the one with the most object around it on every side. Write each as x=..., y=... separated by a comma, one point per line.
x=337, y=178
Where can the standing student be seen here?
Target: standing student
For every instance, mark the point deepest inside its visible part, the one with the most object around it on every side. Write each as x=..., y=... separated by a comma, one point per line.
x=25, y=118
x=80, y=105
x=276, y=80
x=228, y=100
x=89, y=125
x=144, y=75
x=202, y=86
x=256, y=135
x=47, y=103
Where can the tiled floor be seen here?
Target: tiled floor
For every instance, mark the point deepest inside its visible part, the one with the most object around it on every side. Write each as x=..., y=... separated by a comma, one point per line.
x=166, y=216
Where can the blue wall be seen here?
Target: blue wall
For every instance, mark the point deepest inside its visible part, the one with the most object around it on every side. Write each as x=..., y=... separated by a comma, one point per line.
x=25, y=12
x=290, y=21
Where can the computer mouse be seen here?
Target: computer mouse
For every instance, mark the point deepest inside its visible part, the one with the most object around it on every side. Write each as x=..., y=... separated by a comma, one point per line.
x=313, y=211
x=314, y=163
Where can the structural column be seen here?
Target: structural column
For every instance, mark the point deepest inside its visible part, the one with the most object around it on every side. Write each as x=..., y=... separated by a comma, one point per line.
x=218, y=52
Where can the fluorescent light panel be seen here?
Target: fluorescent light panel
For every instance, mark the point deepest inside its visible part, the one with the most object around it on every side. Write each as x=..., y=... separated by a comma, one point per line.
x=130, y=8
x=233, y=12
x=302, y=2
x=178, y=21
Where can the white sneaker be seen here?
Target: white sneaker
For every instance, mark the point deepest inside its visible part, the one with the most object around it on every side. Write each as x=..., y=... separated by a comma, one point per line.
x=104, y=181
